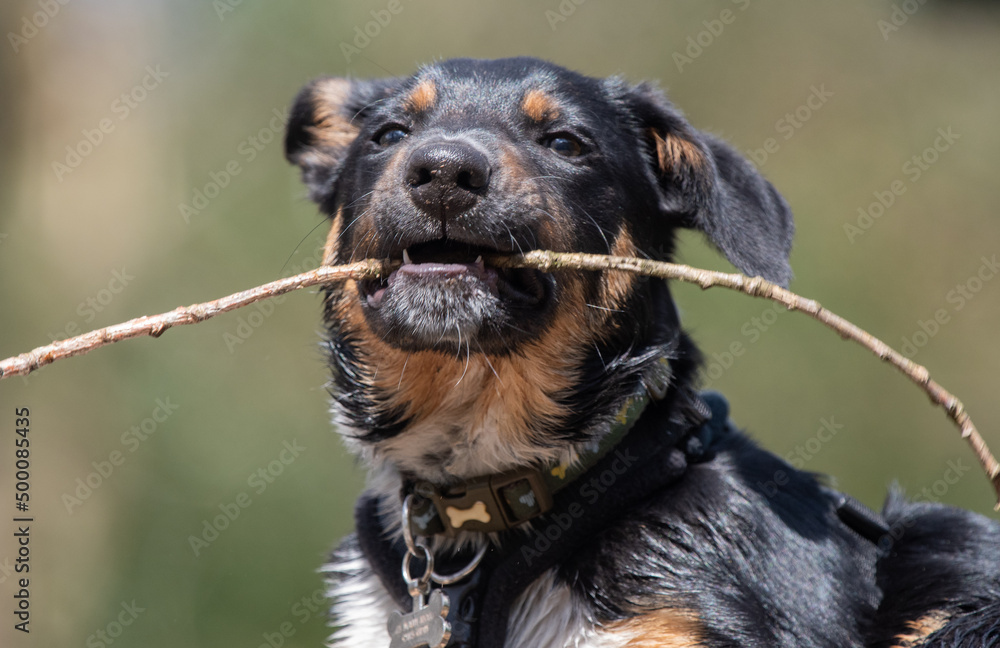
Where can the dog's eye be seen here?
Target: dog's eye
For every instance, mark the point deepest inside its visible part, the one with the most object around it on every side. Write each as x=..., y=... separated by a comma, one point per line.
x=564, y=144
x=390, y=136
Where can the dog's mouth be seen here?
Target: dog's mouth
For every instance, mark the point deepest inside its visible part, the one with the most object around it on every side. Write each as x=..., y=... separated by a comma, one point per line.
x=447, y=264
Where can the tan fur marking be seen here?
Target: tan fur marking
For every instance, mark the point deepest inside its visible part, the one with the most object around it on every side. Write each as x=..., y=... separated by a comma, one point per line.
x=676, y=154
x=348, y=308
x=538, y=105
x=523, y=183
x=330, y=247
x=531, y=378
x=513, y=167
x=422, y=97
x=332, y=128
x=615, y=285
x=362, y=221
x=362, y=224
x=661, y=629
x=920, y=629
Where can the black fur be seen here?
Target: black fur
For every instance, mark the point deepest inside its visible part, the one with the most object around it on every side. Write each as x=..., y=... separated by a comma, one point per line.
x=750, y=545
x=940, y=559
x=762, y=565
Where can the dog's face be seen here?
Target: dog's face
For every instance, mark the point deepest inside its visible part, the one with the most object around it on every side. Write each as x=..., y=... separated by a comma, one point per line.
x=465, y=161
x=469, y=159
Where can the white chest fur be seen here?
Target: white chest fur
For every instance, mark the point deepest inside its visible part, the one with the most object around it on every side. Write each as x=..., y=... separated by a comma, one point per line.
x=546, y=615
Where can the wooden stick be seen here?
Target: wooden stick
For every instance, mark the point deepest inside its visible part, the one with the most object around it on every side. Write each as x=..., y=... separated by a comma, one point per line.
x=156, y=325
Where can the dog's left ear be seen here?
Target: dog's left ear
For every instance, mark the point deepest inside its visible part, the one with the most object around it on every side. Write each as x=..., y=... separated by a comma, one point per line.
x=708, y=186
x=323, y=124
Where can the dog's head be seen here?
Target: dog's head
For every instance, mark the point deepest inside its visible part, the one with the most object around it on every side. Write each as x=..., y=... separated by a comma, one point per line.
x=468, y=159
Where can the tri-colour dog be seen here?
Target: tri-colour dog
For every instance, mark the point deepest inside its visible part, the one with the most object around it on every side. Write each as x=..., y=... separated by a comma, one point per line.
x=543, y=471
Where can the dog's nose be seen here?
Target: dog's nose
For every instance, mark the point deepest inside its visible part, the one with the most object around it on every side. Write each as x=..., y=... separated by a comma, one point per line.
x=447, y=178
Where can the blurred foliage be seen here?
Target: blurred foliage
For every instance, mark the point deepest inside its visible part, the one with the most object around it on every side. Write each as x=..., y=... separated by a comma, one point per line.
x=224, y=67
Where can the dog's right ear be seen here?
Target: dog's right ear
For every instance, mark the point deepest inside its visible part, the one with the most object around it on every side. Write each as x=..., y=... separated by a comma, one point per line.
x=707, y=185
x=323, y=124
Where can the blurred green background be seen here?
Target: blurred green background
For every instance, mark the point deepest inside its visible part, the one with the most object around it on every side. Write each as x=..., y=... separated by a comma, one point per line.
x=102, y=239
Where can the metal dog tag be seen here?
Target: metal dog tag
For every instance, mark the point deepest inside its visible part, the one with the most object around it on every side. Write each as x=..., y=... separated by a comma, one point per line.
x=424, y=627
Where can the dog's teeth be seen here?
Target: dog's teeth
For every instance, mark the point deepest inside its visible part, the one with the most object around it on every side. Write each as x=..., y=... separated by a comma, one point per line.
x=406, y=258
x=479, y=261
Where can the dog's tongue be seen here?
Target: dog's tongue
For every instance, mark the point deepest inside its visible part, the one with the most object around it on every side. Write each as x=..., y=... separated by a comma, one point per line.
x=436, y=271
x=375, y=299
x=440, y=269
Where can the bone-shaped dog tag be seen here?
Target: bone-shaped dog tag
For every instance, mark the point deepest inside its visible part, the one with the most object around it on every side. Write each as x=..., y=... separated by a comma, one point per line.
x=424, y=627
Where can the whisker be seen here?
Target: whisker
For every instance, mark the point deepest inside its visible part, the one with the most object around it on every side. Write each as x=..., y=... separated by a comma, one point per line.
x=468, y=356
x=402, y=371
x=605, y=308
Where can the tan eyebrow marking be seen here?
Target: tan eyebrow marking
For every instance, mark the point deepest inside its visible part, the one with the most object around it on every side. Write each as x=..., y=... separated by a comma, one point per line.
x=539, y=105
x=422, y=97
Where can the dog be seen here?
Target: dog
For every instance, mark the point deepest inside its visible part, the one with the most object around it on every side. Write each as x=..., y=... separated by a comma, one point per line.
x=543, y=469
